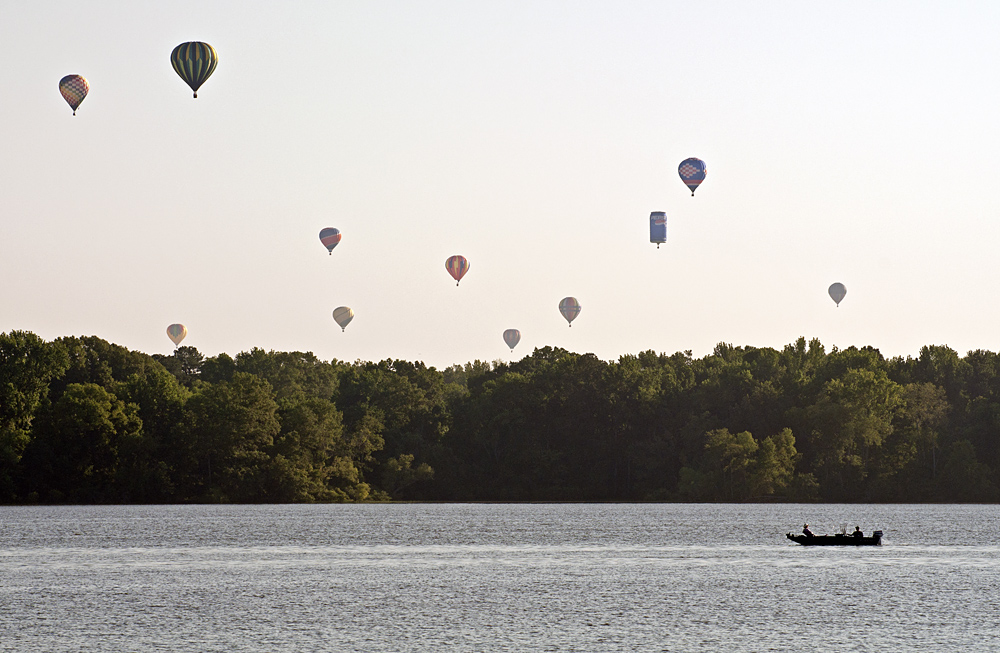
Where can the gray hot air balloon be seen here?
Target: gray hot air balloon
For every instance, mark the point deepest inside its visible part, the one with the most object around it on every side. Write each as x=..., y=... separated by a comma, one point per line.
x=570, y=308
x=838, y=291
x=343, y=316
x=512, y=337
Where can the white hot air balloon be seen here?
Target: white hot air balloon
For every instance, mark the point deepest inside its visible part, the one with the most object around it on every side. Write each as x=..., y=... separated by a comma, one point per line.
x=837, y=292
x=343, y=316
x=176, y=333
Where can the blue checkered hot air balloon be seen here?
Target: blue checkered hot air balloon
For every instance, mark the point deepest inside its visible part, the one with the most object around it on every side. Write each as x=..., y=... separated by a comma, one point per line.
x=692, y=172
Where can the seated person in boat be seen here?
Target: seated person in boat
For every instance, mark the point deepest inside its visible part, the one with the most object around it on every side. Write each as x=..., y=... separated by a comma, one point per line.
x=857, y=532
x=806, y=531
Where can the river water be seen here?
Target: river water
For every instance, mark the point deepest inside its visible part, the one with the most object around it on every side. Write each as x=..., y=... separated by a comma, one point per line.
x=496, y=577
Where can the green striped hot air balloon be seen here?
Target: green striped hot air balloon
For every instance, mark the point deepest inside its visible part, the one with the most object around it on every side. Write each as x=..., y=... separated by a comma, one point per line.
x=195, y=62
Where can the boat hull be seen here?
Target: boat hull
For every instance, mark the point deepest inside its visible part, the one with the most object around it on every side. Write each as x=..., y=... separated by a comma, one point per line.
x=836, y=540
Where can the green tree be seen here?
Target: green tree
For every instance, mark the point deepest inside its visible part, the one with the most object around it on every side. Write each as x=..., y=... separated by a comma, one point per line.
x=231, y=425
x=851, y=419
x=393, y=408
x=399, y=474
x=964, y=478
x=737, y=467
x=150, y=464
x=76, y=450
x=313, y=459
x=489, y=440
x=773, y=469
x=905, y=466
x=185, y=364
x=27, y=366
x=730, y=459
x=293, y=375
x=218, y=368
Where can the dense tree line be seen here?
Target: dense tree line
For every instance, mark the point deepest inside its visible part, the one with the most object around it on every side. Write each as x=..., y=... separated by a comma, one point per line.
x=86, y=421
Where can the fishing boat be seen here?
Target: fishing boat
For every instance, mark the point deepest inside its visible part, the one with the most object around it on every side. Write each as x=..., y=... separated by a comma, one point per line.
x=840, y=539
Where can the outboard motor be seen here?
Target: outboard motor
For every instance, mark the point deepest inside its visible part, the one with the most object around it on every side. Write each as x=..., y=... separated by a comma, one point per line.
x=878, y=536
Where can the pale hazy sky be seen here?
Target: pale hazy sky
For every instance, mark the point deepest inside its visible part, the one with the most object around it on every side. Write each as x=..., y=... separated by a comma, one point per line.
x=852, y=142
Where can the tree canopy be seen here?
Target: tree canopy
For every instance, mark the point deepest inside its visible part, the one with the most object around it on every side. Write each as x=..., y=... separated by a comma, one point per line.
x=87, y=421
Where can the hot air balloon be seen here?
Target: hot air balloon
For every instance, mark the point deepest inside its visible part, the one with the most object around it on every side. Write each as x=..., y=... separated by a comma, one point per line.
x=657, y=228
x=512, y=337
x=330, y=237
x=457, y=266
x=176, y=333
x=837, y=292
x=73, y=88
x=692, y=172
x=194, y=62
x=570, y=308
x=343, y=316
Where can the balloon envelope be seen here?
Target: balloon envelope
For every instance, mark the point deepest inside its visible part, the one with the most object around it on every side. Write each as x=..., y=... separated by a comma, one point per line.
x=73, y=89
x=512, y=337
x=195, y=62
x=343, y=316
x=176, y=333
x=457, y=266
x=837, y=292
x=330, y=237
x=657, y=228
x=570, y=308
x=692, y=172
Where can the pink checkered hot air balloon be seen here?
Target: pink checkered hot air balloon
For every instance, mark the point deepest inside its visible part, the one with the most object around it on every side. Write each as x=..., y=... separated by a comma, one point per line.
x=457, y=266
x=329, y=237
x=73, y=89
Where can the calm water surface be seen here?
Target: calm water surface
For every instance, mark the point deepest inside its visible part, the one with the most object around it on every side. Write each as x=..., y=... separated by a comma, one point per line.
x=484, y=577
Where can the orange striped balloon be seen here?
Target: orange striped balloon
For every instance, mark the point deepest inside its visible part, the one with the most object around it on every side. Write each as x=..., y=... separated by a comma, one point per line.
x=457, y=266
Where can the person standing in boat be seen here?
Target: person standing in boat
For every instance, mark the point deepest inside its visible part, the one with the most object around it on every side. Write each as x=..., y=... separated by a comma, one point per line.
x=806, y=531
x=857, y=532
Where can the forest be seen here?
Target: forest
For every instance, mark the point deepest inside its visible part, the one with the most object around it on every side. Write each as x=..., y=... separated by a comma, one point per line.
x=85, y=421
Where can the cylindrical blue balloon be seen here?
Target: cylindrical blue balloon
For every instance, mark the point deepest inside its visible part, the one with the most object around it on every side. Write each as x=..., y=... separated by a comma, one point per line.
x=657, y=227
